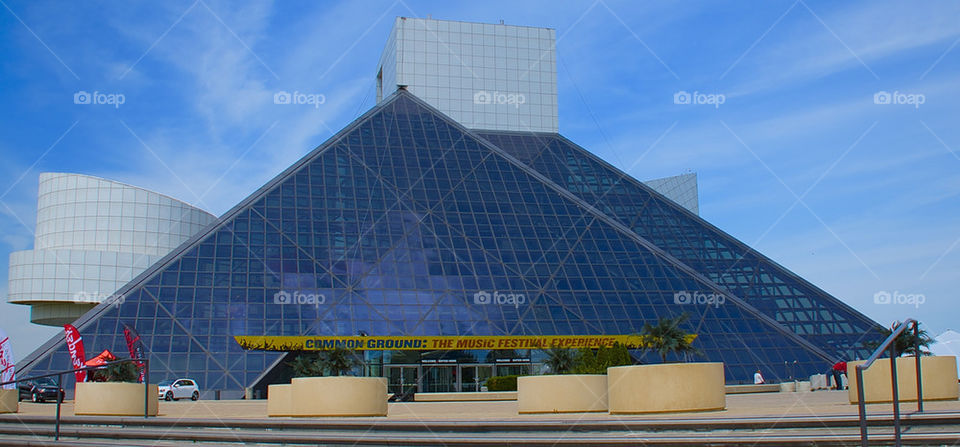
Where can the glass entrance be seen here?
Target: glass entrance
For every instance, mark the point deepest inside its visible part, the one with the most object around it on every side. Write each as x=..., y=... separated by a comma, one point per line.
x=440, y=379
x=402, y=378
x=474, y=377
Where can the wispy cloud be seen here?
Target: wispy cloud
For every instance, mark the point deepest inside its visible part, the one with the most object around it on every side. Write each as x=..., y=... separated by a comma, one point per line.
x=803, y=49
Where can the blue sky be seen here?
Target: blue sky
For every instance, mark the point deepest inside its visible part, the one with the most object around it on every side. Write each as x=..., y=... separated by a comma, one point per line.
x=799, y=161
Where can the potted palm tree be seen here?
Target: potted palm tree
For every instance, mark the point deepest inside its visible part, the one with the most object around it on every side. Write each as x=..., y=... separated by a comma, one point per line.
x=114, y=391
x=667, y=337
x=667, y=386
x=938, y=373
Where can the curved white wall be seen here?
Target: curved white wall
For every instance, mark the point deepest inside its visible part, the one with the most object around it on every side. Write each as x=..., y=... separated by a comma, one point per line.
x=93, y=236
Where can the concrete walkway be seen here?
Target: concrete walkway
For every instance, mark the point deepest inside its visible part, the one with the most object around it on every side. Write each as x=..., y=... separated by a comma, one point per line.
x=809, y=404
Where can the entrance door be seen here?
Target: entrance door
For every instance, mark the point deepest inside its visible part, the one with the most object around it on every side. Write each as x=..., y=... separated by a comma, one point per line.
x=439, y=379
x=401, y=378
x=473, y=377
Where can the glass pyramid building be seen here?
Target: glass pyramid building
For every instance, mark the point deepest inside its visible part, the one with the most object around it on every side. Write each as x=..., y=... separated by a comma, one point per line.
x=404, y=215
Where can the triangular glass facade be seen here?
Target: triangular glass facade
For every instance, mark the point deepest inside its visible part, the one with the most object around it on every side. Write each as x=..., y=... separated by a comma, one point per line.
x=398, y=221
x=777, y=292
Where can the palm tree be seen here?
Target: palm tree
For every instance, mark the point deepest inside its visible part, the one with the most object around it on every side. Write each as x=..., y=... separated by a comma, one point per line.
x=338, y=361
x=616, y=355
x=667, y=337
x=596, y=361
x=307, y=364
x=560, y=361
x=906, y=342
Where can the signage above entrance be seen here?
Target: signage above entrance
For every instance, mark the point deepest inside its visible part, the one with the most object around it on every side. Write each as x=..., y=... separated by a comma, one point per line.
x=406, y=343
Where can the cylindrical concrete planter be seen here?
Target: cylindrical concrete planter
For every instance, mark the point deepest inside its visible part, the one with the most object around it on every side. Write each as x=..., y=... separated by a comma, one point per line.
x=666, y=387
x=339, y=396
x=939, y=379
x=114, y=399
x=279, y=400
x=9, y=400
x=568, y=393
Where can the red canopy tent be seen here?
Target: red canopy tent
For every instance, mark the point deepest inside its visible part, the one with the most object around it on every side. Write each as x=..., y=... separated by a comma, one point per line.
x=103, y=357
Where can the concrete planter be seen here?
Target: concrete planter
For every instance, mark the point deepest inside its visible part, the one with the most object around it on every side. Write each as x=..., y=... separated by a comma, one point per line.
x=279, y=400
x=9, y=400
x=568, y=393
x=114, y=399
x=939, y=379
x=666, y=388
x=788, y=387
x=339, y=396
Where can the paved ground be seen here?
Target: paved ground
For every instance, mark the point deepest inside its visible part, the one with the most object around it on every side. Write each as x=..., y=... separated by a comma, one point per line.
x=817, y=403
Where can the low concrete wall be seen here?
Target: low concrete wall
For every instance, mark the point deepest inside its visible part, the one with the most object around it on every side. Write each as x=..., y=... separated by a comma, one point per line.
x=279, y=400
x=749, y=389
x=114, y=399
x=939, y=379
x=339, y=396
x=788, y=387
x=9, y=400
x=566, y=393
x=465, y=397
x=666, y=388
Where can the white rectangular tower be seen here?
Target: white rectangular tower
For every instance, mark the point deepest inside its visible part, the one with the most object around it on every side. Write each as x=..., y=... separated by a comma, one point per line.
x=485, y=76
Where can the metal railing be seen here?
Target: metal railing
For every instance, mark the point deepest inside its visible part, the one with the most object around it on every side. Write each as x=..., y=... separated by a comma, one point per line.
x=59, y=375
x=890, y=344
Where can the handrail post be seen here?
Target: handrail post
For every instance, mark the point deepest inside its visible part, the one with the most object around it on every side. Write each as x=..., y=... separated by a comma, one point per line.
x=896, y=394
x=59, y=385
x=861, y=406
x=916, y=347
x=146, y=388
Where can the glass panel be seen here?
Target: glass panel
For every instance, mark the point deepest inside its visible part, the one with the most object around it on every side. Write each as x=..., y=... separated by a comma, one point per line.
x=513, y=370
x=439, y=379
x=401, y=379
x=473, y=378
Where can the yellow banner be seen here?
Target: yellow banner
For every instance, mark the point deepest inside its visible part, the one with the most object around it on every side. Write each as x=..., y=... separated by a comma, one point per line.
x=400, y=343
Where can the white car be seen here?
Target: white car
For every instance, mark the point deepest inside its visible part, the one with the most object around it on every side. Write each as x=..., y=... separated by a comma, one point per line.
x=179, y=389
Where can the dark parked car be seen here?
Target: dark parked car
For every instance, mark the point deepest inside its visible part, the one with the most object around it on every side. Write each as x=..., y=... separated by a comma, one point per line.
x=40, y=390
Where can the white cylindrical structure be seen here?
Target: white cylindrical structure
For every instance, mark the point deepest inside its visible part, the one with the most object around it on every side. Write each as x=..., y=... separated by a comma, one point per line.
x=93, y=236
